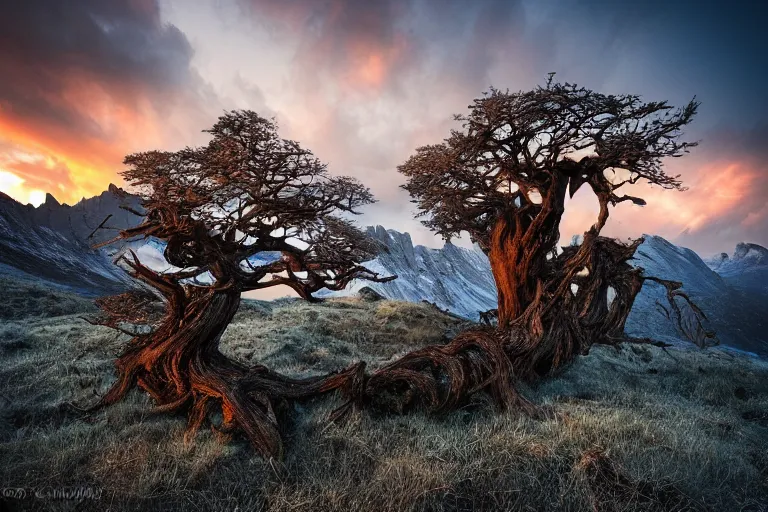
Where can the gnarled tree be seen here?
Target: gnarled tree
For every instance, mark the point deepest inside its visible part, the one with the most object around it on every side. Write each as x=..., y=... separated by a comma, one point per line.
x=504, y=180
x=246, y=212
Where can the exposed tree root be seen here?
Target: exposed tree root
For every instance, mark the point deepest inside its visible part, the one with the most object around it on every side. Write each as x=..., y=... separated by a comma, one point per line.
x=186, y=372
x=440, y=378
x=180, y=366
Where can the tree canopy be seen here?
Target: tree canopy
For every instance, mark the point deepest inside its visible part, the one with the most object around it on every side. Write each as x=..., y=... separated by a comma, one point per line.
x=247, y=192
x=520, y=151
x=248, y=211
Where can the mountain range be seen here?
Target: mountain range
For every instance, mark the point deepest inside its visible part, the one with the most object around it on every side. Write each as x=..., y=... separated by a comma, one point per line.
x=52, y=244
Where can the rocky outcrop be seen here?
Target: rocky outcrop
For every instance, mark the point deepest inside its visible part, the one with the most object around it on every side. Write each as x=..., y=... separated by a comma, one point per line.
x=746, y=270
x=454, y=278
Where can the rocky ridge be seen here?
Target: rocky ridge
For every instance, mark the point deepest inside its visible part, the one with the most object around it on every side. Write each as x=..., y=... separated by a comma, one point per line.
x=51, y=244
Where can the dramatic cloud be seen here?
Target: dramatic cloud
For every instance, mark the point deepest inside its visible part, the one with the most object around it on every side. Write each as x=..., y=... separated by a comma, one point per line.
x=729, y=192
x=431, y=58
x=724, y=201
x=369, y=82
x=57, y=46
x=83, y=83
x=363, y=83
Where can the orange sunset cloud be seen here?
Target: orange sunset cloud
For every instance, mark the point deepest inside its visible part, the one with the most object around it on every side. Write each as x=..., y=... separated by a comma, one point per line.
x=69, y=113
x=65, y=164
x=370, y=65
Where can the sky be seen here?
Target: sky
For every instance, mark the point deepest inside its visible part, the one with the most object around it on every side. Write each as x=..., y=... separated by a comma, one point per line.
x=364, y=83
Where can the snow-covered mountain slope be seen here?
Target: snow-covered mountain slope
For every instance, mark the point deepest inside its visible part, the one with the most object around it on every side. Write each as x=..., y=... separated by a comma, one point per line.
x=50, y=242
x=454, y=278
x=746, y=270
x=739, y=321
x=459, y=280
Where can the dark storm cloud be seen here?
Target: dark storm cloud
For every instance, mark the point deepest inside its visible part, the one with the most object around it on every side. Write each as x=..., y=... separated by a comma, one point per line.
x=713, y=49
x=675, y=50
x=49, y=46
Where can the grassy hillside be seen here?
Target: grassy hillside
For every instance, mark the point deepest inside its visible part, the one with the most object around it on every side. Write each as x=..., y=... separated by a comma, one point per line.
x=24, y=299
x=639, y=428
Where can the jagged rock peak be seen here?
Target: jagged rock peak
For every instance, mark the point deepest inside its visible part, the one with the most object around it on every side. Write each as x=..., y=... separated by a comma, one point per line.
x=119, y=192
x=388, y=236
x=50, y=200
x=753, y=253
x=368, y=294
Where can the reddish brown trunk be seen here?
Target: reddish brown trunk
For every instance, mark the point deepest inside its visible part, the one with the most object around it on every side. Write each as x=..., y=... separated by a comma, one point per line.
x=181, y=367
x=510, y=264
x=519, y=243
x=160, y=363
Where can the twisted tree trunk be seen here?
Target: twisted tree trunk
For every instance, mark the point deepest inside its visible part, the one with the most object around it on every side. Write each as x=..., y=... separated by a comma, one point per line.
x=511, y=266
x=519, y=243
x=163, y=363
x=180, y=366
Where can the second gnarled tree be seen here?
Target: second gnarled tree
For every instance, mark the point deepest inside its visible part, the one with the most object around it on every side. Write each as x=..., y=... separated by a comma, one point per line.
x=504, y=180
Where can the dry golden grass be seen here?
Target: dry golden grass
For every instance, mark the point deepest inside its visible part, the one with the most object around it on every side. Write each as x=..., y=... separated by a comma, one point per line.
x=688, y=429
